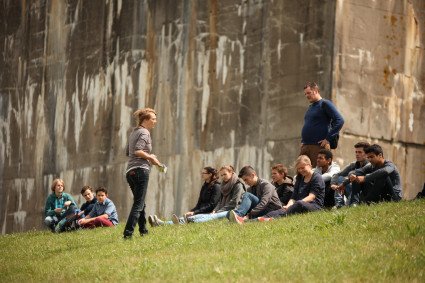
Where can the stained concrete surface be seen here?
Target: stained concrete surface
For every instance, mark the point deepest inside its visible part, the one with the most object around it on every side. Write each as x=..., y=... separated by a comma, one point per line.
x=226, y=78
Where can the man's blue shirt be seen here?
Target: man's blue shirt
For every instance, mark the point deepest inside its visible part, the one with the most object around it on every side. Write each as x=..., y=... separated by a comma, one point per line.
x=321, y=121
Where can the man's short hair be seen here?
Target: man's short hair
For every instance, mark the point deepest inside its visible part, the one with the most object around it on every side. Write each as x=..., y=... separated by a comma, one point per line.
x=312, y=86
x=102, y=189
x=85, y=188
x=327, y=153
x=281, y=169
x=374, y=148
x=246, y=170
x=362, y=144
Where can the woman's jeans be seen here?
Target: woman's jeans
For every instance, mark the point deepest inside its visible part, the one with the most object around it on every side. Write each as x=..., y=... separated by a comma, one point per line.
x=137, y=179
x=198, y=218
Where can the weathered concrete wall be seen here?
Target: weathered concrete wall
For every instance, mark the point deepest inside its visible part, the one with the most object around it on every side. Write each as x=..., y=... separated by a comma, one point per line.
x=226, y=78
x=379, y=80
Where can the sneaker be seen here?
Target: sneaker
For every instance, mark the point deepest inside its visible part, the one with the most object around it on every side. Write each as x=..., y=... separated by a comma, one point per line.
x=144, y=232
x=128, y=237
x=264, y=219
x=233, y=217
x=151, y=221
x=158, y=221
x=175, y=219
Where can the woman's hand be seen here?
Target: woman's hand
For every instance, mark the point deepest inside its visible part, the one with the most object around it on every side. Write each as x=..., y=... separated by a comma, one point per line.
x=154, y=160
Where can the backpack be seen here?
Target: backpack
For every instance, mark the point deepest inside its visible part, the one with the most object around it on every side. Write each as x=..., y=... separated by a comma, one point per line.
x=333, y=141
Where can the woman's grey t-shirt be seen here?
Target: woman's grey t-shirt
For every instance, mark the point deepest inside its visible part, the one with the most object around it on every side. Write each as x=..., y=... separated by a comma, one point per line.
x=140, y=139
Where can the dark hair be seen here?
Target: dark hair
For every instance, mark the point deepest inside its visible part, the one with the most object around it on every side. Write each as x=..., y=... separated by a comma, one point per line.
x=102, y=189
x=213, y=172
x=312, y=85
x=85, y=188
x=362, y=144
x=246, y=170
x=374, y=148
x=327, y=153
x=281, y=169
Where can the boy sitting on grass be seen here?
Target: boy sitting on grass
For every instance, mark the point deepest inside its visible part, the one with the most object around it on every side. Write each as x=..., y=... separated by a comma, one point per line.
x=91, y=200
x=56, y=204
x=104, y=212
x=73, y=214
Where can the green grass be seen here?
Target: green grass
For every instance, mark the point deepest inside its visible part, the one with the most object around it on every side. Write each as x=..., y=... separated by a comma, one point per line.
x=382, y=242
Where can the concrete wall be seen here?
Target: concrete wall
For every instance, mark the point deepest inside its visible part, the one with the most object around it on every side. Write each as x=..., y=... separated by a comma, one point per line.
x=379, y=79
x=226, y=78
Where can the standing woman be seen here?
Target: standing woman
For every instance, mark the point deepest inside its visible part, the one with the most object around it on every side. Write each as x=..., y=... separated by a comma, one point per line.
x=138, y=150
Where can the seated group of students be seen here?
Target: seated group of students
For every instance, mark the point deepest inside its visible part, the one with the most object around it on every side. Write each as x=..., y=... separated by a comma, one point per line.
x=62, y=213
x=369, y=179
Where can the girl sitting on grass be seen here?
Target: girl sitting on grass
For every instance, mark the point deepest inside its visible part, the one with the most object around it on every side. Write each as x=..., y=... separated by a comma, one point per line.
x=207, y=201
x=231, y=192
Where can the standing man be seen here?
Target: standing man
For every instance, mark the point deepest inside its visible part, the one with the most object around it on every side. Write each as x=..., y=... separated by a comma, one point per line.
x=340, y=183
x=379, y=180
x=322, y=122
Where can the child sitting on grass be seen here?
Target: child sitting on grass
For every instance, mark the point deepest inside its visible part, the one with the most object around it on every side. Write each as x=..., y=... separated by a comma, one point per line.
x=73, y=214
x=56, y=204
x=104, y=212
x=91, y=200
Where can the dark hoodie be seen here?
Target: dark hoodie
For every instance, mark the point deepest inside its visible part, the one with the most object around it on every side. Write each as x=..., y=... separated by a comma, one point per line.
x=285, y=190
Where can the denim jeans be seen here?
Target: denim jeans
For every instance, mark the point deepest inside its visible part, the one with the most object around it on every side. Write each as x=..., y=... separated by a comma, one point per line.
x=170, y=222
x=198, y=218
x=339, y=198
x=51, y=221
x=138, y=180
x=249, y=201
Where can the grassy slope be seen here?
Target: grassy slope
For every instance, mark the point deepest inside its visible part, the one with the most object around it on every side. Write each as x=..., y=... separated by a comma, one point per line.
x=383, y=242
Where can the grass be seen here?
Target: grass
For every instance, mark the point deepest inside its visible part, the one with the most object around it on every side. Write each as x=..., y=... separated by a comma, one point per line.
x=376, y=243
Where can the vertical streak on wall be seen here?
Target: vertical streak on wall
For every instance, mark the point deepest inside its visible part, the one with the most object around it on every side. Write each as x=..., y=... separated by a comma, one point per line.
x=264, y=74
x=72, y=73
x=182, y=102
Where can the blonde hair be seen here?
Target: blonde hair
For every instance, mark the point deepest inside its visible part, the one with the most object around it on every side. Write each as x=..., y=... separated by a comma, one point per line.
x=229, y=168
x=304, y=159
x=143, y=114
x=55, y=181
